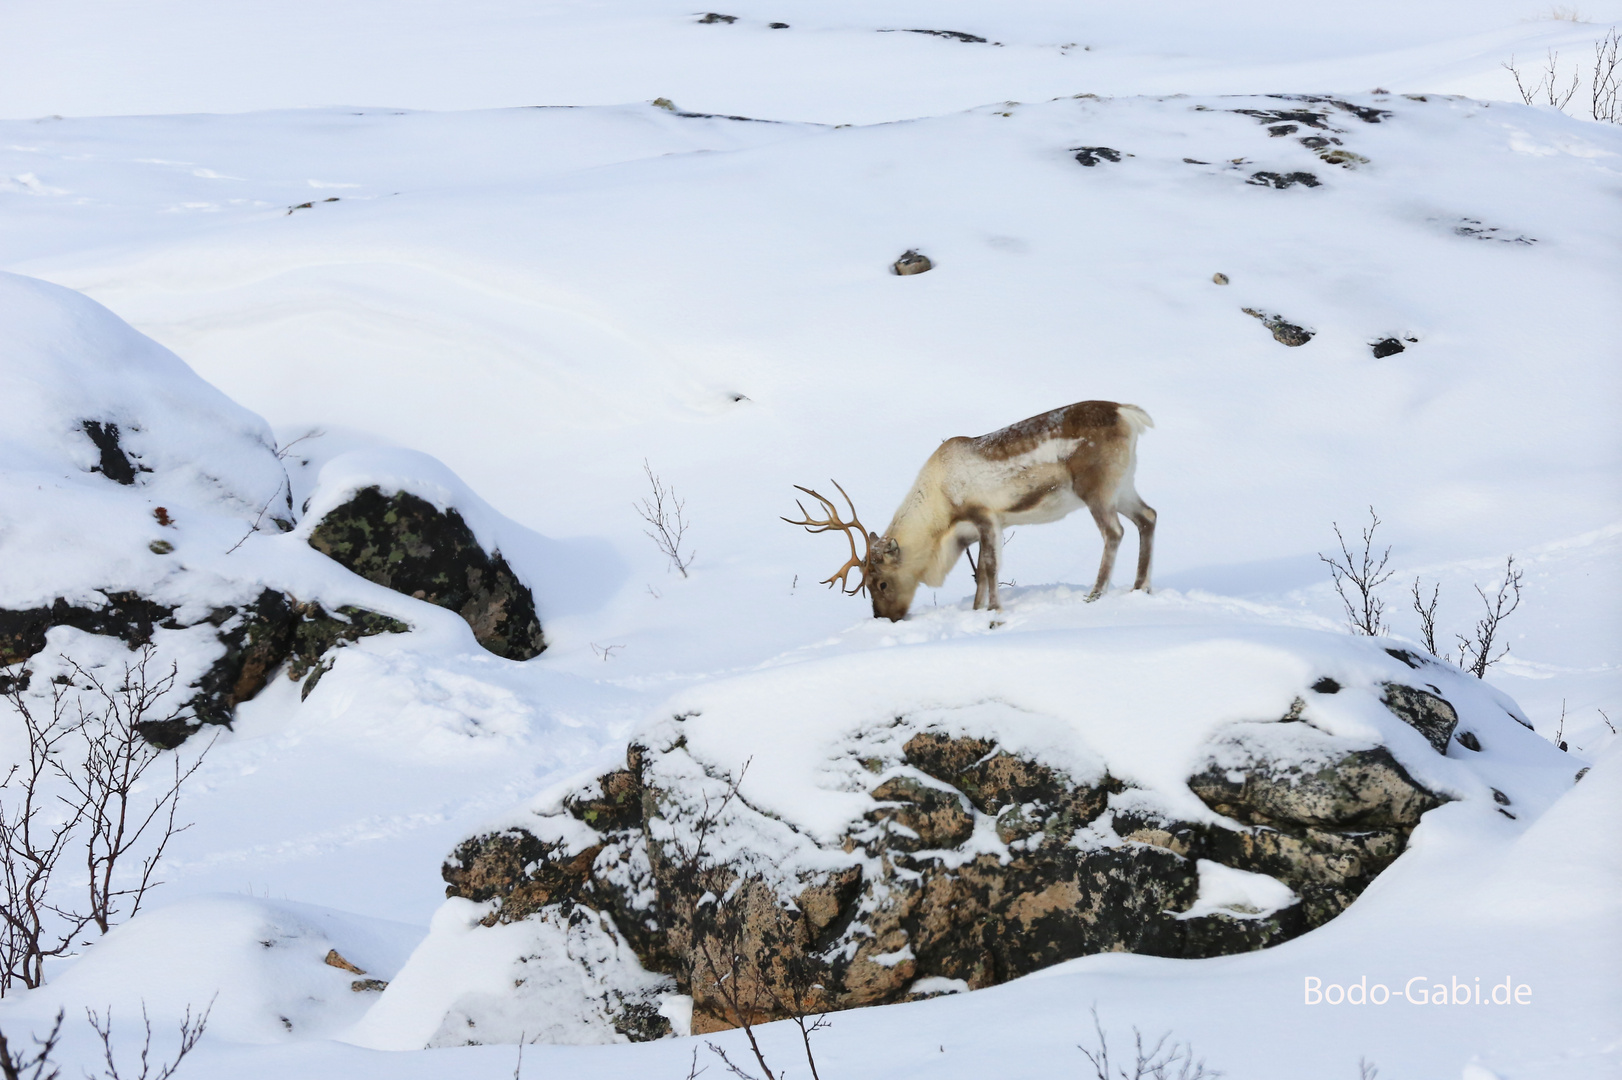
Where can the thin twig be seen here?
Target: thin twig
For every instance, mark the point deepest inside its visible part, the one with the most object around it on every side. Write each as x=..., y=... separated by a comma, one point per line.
x=664, y=511
x=19, y=1066
x=1427, y=616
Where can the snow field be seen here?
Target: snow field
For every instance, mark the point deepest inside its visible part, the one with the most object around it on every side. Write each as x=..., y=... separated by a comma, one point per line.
x=526, y=303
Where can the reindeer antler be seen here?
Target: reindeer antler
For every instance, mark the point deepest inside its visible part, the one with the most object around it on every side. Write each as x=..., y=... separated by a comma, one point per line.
x=852, y=529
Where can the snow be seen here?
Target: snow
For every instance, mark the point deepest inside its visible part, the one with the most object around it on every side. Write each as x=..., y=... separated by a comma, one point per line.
x=508, y=309
x=1239, y=893
x=258, y=965
x=504, y=975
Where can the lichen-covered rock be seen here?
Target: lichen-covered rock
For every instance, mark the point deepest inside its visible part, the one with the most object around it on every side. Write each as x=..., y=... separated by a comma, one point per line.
x=1427, y=713
x=974, y=863
x=1361, y=789
x=406, y=544
x=928, y=817
x=521, y=872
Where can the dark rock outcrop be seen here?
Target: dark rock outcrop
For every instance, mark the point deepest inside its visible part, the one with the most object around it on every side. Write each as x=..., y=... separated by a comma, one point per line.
x=115, y=464
x=406, y=544
x=258, y=639
x=1092, y=155
x=1078, y=866
x=1266, y=178
x=1284, y=332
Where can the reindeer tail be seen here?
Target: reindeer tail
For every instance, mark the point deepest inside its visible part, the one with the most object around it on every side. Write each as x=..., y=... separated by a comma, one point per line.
x=1136, y=418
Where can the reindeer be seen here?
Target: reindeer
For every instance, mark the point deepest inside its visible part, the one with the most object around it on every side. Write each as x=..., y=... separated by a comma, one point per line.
x=970, y=489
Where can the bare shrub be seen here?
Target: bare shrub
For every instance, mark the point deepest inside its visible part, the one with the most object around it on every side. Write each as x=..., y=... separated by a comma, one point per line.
x=1164, y=1059
x=1357, y=577
x=89, y=787
x=1604, y=84
x=36, y=831
x=191, y=1030
x=1426, y=610
x=1476, y=652
x=664, y=512
x=1548, y=89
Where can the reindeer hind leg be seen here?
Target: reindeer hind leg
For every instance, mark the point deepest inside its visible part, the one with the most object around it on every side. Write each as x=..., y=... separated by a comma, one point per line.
x=1143, y=516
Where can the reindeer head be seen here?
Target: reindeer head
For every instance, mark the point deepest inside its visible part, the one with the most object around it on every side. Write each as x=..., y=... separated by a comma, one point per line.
x=889, y=587
x=879, y=564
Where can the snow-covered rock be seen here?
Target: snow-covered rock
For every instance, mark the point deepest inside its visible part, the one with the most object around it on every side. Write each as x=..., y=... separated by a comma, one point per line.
x=139, y=503
x=859, y=828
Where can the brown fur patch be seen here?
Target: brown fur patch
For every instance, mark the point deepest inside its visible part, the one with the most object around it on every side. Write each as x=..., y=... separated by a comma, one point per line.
x=1100, y=419
x=1030, y=500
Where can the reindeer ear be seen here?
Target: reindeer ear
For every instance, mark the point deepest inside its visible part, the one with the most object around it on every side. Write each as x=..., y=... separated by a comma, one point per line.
x=888, y=549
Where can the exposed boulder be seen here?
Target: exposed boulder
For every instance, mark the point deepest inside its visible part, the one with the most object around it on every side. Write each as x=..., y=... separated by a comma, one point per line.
x=1280, y=181
x=973, y=862
x=1283, y=331
x=1092, y=155
x=911, y=262
x=1427, y=713
x=405, y=543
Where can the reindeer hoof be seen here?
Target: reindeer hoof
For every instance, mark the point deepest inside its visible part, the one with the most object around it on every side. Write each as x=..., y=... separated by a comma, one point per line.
x=1094, y=595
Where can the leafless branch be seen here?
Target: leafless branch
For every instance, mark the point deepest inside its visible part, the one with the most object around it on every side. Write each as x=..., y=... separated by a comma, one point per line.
x=1527, y=96
x=663, y=511
x=1164, y=1059
x=1366, y=1070
x=314, y=433
x=191, y=1030
x=734, y=1069
x=88, y=785
x=1357, y=577
x=16, y=1065
x=1426, y=609
x=1476, y=654
x=260, y=517
x=1547, y=90
x=1603, y=102
x=36, y=830
x=121, y=809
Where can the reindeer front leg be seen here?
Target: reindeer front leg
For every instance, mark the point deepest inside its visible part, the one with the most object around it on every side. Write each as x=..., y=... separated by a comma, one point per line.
x=1109, y=524
x=985, y=585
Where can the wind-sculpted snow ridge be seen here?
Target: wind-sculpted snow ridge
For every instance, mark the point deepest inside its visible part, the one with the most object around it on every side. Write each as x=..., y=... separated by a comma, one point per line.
x=964, y=811
x=142, y=505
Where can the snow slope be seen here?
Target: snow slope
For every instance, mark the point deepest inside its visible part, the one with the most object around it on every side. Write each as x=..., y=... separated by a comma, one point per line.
x=542, y=298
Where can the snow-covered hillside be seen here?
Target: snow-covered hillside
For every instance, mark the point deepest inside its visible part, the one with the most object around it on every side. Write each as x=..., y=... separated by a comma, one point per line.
x=467, y=255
